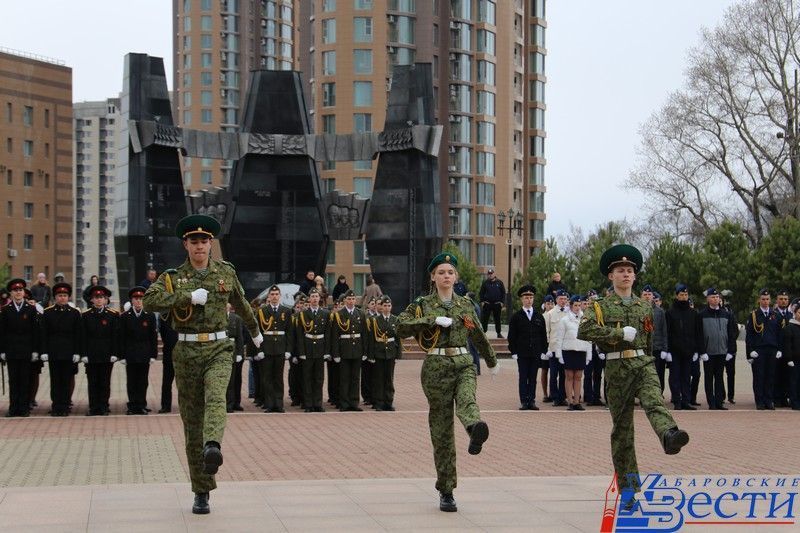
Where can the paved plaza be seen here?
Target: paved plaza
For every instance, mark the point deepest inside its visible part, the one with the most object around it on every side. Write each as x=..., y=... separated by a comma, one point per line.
x=370, y=471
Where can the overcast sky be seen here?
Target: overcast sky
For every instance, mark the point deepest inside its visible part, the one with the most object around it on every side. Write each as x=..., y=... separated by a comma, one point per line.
x=610, y=64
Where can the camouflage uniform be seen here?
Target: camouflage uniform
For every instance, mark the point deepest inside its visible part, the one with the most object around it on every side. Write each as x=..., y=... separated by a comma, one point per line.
x=202, y=369
x=627, y=378
x=447, y=378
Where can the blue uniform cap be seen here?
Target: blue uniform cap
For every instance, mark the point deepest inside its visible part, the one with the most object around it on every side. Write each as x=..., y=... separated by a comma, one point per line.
x=647, y=288
x=549, y=298
x=681, y=287
x=711, y=291
x=561, y=292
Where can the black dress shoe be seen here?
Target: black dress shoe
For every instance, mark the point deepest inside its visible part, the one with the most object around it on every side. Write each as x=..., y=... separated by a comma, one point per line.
x=478, y=433
x=388, y=407
x=238, y=408
x=164, y=410
x=499, y=335
x=532, y=407
x=560, y=403
x=356, y=408
x=731, y=401
x=309, y=410
x=279, y=410
x=676, y=407
x=524, y=407
x=694, y=403
x=578, y=407
x=212, y=458
x=547, y=399
x=629, y=503
x=760, y=407
x=770, y=406
x=722, y=408
x=318, y=409
x=200, y=505
x=378, y=407
x=229, y=410
x=673, y=440
x=688, y=407
x=447, y=503
x=295, y=403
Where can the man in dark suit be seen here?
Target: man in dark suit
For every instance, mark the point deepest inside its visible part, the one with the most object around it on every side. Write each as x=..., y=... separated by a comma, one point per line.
x=19, y=345
x=527, y=342
x=138, y=339
x=61, y=346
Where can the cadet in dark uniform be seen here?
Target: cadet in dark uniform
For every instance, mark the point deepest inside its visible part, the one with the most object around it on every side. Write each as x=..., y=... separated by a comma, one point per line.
x=275, y=321
x=295, y=371
x=138, y=341
x=682, y=329
x=100, y=345
x=763, y=340
x=313, y=348
x=347, y=348
x=236, y=335
x=527, y=342
x=332, y=366
x=61, y=346
x=169, y=338
x=366, y=367
x=782, y=370
x=385, y=347
x=19, y=346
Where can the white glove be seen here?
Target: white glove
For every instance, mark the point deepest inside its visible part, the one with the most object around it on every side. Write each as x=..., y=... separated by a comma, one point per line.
x=444, y=321
x=602, y=356
x=44, y=357
x=544, y=357
x=495, y=369
x=121, y=361
x=729, y=357
x=337, y=359
x=239, y=358
x=326, y=357
x=694, y=358
x=790, y=363
x=76, y=358
x=199, y=296
x=669, y=357
x=588, y=358
x=113, y=359
x=259, y=356
x=363, y=357
x=664, y=355
x=560, y=357
x=295, y=360
x=85, y=360
x=152, y=359
x=34, y=356
x=2, y=357
x=629, y=333
x=754, y=354
x=288, y=355
x=704, y=357
x=371, y=360
x=778, y=354
x=514, y=356
x=258, y=339
x=302, y=357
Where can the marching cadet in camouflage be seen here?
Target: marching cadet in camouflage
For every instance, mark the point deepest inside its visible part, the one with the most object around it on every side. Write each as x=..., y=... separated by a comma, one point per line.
x=313, y=348
x=275, y=321
x=622, y=327
x=347, y=329
x=195, y=297
x=441, y=322
x=384, y=346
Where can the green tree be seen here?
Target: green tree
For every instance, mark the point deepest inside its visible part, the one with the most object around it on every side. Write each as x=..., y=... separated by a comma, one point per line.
x=5, y=274
x=467, y=271
x=671, y=262
x=777, y=258
x=542, y=264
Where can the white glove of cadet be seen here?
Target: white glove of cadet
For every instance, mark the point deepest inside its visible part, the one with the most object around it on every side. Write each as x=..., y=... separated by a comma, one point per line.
x=152, y=359
x=337, y=359
x=258, y=339
x=122, y=361
x=514, y=356
x=259, y=356
x=44, y=357
x=588, y=358
x=302, y=357
x=704, y=357
x=113, y=359
x=694, y=358
x=560, y=357
x=326, y=357
x=602, y=356
x=545, y=356
x=664, y=355
x=34, y=356
x=76, y=358
x=199, y=296
x=495, y=369
x=729, y=357
x=628, y=333
x=85, y=360
x=754, y=354
x=295, y=360
x=239, y=358
x=778, y=354
x=363, y=357
x=371, y=361
x=790, y=363
x=2, y=357
x=288, y=355
x=444, y=321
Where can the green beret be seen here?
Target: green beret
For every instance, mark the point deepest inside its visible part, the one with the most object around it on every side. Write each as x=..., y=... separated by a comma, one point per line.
x=621, y=254
x=441, y=259
x=349, y=293
x=384, y=299
x=192, y=225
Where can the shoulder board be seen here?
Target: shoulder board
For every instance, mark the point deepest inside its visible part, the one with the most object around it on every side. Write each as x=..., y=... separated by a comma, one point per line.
x=419, y=300
x=49, y=307
x=86, y=311
x=113, y=311
x=171, y=271
x=227, y=263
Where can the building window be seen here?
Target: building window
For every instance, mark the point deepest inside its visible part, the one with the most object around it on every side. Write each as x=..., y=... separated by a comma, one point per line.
x=363, y=187
x=205, y=97
x=362, y=29
x=536, y=118
x=486, y=72
x=187, y=98
x=362, y=93
x=187, y=61
x=27, y=148
x=328, y=31
x=10, y=208
x=485, y=193
x=537, y=146
x=362, y=4
x=536, y=174
x=27, y=241
x=27, y=272
x=536, y=202
x=205, y=5
x=460, y=221
x=329, y=63
x=484, y=223
x=205, y=23
x=328, y=5
x=484, y=161
x=363, y=164
x=46, y=210
x=46, y=118
x=328, y=94
x=537, y=8
x=329, y=124
x=329, y=185
x=486, y=11
x=205, y=60
x=205, y=41
x=9, y=145
x=359, y=282
x=47, y=242
x=205, y=177
x=537, y=230
x=9, y=177
x=460, y=189
x=187, y=117
x=485, y=131
x=28, y=210
x=486, y=102
x=27, y=115
x=27, y=179
x=362, y=61
x=360, y=255
x=486, y=42
x=47, y=149
x=9, y=112
x=537, y=35
x=536, y=60
x=205, y=78
x=205, y=116
x=330, y=255
x=485, y=254
x=187, y=24
x=362, y=122
x=537, y=90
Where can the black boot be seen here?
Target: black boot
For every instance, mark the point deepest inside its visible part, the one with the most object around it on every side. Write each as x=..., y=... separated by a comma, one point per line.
x=447, y=503
x=200, y=505
x=478, y=433
x=212, y=458
x=673, y=440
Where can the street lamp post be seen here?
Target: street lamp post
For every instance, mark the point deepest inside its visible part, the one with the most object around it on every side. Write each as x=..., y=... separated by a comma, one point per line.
x=514, y=224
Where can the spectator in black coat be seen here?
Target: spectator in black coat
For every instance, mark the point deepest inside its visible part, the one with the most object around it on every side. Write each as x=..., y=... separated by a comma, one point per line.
x=340, y=288
x=681, y=340
x=791, y=351
x=308, y=283
x=492, y=296
x=556, y=285
x=527, y=342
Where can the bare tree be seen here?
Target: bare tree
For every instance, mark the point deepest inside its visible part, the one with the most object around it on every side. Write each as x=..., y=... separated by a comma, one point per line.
x=711, y=153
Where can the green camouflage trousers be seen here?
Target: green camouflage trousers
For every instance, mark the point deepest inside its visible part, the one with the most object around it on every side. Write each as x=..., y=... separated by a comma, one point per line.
x=446, y=380
x=202, y=372
x=627, y=379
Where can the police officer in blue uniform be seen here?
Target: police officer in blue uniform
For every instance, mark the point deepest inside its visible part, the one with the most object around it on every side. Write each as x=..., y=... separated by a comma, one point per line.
x=763, y=338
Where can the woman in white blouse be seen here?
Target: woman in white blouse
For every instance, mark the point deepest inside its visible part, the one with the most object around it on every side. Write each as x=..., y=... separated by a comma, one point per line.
x=573, y=353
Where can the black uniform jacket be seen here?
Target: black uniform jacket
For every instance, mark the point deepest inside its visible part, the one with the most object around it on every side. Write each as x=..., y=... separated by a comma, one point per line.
x=527, y=338
x=138, y=336
x=19, y=331
x=61, y=332
x=100, y=334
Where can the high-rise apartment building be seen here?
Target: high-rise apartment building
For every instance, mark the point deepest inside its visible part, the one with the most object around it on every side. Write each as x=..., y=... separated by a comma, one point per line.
x=36, y=165
x=488, y=65
x=95, y=156
x=216, y=43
